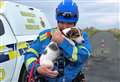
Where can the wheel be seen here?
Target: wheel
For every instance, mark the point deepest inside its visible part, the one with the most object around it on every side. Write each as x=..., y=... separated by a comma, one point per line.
x=23, y=74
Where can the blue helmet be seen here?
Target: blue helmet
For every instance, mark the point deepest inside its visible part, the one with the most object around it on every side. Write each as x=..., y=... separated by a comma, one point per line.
x=67, y=11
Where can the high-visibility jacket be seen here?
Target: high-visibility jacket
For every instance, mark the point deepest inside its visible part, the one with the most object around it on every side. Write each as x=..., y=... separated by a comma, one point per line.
x=75, y=55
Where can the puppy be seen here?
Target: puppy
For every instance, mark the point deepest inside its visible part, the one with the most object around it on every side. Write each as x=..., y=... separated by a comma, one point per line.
x=52, y=51
x=50, y=54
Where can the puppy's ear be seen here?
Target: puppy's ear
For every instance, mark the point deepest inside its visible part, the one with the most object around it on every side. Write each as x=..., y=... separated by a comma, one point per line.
x=53, y=46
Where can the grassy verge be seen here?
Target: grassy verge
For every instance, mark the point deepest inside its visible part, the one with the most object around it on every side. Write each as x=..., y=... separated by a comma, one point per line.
x=116, y=33
x=91, y=31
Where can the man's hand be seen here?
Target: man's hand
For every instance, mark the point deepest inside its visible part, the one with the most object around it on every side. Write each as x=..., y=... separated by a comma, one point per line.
x=46, y=70
x=57, y=37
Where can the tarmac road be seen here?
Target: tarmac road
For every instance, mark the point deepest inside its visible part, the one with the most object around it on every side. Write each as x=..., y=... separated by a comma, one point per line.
x=104, y=65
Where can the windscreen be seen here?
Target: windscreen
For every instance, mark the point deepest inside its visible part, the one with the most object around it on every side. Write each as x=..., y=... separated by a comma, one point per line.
x=2, y=31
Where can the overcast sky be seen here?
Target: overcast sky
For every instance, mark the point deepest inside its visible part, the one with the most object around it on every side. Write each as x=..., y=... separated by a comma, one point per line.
x=102, y=14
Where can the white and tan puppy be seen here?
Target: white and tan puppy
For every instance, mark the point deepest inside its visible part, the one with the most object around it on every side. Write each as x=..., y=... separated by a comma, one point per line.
x=74, y=34
x=50, y=54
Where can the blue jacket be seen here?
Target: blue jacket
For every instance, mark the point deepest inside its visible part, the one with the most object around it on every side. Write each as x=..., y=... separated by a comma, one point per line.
x=75, y=55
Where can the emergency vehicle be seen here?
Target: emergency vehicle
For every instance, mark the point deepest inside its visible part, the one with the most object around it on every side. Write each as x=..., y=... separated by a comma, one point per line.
x=19, y=26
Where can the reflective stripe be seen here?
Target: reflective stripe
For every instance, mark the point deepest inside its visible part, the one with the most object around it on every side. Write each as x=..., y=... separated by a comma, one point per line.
x=32, y=27
x=22, y=45
x=28, y=14
x=33, y=51
x=30, y=60
x=43, y=37
x=46, y=35
x=81, y=46
x=75, y=54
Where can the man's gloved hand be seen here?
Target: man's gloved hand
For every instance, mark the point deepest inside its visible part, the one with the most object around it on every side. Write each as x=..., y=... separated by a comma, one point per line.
x=47, y=71
x=57, y=37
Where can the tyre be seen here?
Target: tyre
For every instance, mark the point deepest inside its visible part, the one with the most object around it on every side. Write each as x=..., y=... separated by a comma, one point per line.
x=23, y=74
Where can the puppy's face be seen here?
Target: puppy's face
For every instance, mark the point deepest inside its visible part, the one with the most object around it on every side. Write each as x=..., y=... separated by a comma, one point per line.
x=72, y=33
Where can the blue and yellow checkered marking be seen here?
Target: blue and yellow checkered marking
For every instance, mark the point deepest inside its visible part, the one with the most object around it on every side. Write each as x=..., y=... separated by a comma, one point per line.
x=17, y=51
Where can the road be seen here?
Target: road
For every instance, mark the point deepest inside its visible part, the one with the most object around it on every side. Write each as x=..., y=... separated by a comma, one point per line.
x=104, y=65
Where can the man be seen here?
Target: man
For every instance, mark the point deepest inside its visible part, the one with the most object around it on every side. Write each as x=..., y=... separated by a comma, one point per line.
x=75, y=56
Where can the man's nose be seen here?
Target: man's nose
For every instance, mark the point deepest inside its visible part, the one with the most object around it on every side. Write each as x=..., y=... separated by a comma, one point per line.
x=67, y=25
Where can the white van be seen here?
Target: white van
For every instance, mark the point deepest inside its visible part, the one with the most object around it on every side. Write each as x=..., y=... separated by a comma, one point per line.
x=19, y=26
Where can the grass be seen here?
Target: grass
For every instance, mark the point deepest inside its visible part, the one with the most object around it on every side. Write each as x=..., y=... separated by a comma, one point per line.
x=91, y=31
x=116, y=33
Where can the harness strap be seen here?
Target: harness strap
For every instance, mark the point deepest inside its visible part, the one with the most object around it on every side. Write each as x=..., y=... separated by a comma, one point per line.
x=31, y=77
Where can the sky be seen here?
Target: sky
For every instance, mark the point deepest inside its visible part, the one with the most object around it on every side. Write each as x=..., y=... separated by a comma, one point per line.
x=102, y=14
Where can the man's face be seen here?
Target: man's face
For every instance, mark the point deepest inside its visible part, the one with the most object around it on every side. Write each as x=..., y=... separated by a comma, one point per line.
x=62, y=25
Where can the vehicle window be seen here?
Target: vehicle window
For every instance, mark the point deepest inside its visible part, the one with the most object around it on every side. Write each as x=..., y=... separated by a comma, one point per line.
x=2, y=31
